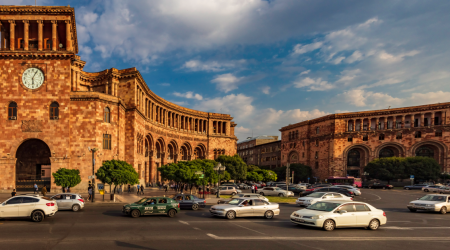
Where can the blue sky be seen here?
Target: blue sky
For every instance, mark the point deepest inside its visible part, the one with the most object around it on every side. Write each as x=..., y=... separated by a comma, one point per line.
x=273, y=63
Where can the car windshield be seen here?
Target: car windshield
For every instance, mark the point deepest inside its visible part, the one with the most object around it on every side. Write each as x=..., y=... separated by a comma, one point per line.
x=141, y=201
x=277, y=188
x=235, y=202
x=323, y=206
x=315, y=195
x=432, y=198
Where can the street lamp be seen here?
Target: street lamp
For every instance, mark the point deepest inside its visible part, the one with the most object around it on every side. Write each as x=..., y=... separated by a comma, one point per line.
x=93, y=150
x=219, y=168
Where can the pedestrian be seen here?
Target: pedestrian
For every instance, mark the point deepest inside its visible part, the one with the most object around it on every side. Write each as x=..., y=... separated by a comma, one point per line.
x=120, y=189
x=90, y=192
x=68, y=189
x=13, y=193
x=44, y=190
x=129, y=188
x=142, y=189
x=138, y=188
x=256, y=189
x=35, y=188
x=62, y=188
x=165, y=187
x=159, y=185
x=253, y=189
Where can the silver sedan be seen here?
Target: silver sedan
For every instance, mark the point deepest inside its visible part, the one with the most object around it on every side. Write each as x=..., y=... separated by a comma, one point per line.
x=249, y=207
x=69, y=201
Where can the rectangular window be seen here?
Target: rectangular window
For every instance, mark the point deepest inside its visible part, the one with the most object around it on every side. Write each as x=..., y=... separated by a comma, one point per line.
x=106, y=141
x=438, y=133
x=425, y=122
x=381, y=137
x=436, y=121
x=416, y=123
x=365, y=137
x=350, y=139
x=398, y=136
x=316, y=165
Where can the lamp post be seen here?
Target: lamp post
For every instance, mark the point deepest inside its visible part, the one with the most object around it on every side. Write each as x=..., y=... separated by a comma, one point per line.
x=93, y=150
x=219, y=168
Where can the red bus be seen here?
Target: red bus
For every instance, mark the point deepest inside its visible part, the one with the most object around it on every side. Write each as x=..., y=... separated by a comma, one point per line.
x=349, y=180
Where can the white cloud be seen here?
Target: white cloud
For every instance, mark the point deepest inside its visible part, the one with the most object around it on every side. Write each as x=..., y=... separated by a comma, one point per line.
x=212, y=66
x=390, y=58
x=302, y=49
x=428, y=98
x=356, y=56
x=266, y=90
x=164, y=84
x=362, y=98
x=238, y=105
x=189, y=95
x=313, y=84
x=227, y=82
x=305, y=72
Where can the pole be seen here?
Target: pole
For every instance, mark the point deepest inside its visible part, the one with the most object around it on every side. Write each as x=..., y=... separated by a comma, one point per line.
x=218, y=185
x=287, y=177
x=93, y=179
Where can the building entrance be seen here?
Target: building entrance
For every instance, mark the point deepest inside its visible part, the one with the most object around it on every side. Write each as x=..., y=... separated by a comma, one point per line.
x=33, y=165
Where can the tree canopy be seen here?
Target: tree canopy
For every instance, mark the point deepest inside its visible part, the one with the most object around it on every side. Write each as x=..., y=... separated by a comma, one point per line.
x=254, y=176
x=67, y=177
x=301, y=172
x=390, y=168
x=234, y=165
x=267, y=175
x=117, y=173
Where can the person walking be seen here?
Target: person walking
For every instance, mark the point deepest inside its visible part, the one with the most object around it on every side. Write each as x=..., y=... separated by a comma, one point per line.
x=165, y=188
x=90, y=192
x=142, y=189
x=44, y=190
x=138, y=189
x=129, y=188
x=36, y=188
x=13, y=193
x=68, y=189
x=253, y=189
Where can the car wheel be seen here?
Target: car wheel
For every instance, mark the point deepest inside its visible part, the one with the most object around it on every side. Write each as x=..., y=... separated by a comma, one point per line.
x=172, y=213
x=268, y=215
x=233, y=193
x=37, y=216
x=135, y=213
x=374, y=224
x=75, y=208
x=443, y=210
x=281, y=195
x=370, y=187
x=194, y=207
x=261, y=193
x=329, y=225
x=384, y=187
x=231, y=215
x=426, y=190
x=407, y=188
x=412, y=210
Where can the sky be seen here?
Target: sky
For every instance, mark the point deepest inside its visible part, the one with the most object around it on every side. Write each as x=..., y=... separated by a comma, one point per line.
x=271, y=63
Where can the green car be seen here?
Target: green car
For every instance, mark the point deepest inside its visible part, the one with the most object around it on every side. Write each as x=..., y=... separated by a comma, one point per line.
x=152, y=205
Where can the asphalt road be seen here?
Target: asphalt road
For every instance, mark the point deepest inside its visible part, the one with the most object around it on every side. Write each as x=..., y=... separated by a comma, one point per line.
x=104, y=227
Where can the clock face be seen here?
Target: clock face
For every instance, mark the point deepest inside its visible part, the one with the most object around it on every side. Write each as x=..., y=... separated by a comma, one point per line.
x=33, y=78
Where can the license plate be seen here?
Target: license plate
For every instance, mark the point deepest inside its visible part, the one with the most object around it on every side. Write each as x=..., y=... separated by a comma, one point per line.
x=299, y=220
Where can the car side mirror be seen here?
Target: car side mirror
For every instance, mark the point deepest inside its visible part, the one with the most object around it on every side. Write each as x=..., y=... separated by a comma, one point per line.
x=240, y=205
x=343, y=211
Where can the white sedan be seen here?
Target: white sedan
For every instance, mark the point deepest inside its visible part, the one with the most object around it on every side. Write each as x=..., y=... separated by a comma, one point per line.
x=275, y=191
x=321, y=196
x=35, y=207
x=331, y=214
x=355, y=190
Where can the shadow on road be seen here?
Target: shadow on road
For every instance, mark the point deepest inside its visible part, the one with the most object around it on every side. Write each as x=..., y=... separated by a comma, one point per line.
x=129, y=245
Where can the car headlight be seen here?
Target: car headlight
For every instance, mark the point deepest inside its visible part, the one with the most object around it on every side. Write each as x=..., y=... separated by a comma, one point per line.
x=220, y=209
x=430, y=205
x=317, y=217
x=411, y=204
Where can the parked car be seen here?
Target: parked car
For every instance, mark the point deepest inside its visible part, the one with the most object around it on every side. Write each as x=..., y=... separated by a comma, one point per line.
x=332, y=214
x=243, y=196
x=226, y=190
x=353, y=189
x=275, y=191
x=431, y=188
x=330, y=189
x=152, y=205
x=32, y=206
x=303, y=186
x=69, y=201
x=243, y=186
x=188, y=201
x=275, y=184
x=380, y=186
x=249, y=207
x=432, y=203
x=321, y=196
x=415, y=186
x=443, y=190
x=294, y=189
x=230, y=185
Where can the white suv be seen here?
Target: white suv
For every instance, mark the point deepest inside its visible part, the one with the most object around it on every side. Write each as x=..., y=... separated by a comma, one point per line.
x=34, y=206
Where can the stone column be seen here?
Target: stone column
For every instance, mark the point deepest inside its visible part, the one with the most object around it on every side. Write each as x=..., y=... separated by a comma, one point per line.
x=26, y=25
x=422, y=120
x=433, y=115
x=376, y=123
x=403, y=121
x=40, y=33
x=68, y=36
x=54, y=24
x=386, y=122
x=12, y=25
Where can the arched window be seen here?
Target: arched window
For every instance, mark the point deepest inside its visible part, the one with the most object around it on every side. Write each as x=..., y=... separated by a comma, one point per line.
x=12, y=111
x=425, y=152
x=106, y=115
x=353, y=158
x=54, y=111
x=386, y=152
x=317, y=130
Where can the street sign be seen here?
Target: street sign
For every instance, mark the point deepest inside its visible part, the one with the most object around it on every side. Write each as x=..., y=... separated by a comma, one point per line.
x=199, y=172
x=91, y=177
x=100, y=186
x=308, y=178
x=411, y=177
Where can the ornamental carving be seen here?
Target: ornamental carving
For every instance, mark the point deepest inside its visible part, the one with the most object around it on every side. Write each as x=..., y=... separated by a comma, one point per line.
x=31, y=126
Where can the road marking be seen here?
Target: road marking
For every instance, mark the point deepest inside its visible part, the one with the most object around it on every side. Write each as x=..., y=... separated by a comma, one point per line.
x=399, y=221
x=249, y=229
x=413, y=228
x=243, y=221
x=331, y=238
x=183, y=222
x=196, y=228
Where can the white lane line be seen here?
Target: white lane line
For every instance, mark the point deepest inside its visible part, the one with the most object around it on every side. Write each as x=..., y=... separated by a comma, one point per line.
x=196, y=228
x=250, y=229
x=332, y=238
x=399, y=221
x=244, y=221
x=183, y=222
x=413, y=228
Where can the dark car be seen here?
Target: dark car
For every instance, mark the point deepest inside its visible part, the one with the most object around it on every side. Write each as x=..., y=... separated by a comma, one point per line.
x=152, y=205
x=330, y=189
x=294, y=189
x=415, y=186
x=188, y=201
x=380, y=186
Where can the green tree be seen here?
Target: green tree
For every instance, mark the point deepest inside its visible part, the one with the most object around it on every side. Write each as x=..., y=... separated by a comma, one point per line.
x=267, y=175
x=252, y=168
x=423, y=168
x=234, y=165
x=117, y=173
x=67, y=177
x=254, y=176
x=301, y=172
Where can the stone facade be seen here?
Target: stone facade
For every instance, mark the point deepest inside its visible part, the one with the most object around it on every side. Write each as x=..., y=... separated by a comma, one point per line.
x=113, y=110
x=260, y=151
x=342, y=144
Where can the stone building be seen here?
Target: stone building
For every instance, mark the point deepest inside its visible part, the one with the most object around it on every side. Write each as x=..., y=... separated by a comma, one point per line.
x=342, y=144
x=261, y=151
x=54, y=112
